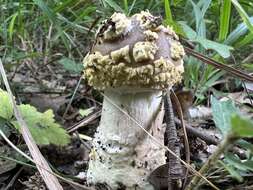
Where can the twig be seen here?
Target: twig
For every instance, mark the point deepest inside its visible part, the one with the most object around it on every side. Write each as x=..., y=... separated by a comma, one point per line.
x=14, y=179
x=247, y=59
x=246, y=90
x=85, y=121
x=37, y=164
x=218, y=65
x=174, y=165
x=186, y=141
x=197, y=133
x=72, y=97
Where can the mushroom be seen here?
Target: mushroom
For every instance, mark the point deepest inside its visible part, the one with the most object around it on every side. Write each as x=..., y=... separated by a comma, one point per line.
x=133, y=60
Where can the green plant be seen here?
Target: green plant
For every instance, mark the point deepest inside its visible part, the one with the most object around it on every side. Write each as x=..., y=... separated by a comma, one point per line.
x=226, y=119
x=194, y=25
x=41, y=125
x=234, y=127
x=34, y=29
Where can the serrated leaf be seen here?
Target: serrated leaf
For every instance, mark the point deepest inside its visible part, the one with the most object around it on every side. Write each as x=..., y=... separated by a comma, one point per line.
x=71, y=65
x=42, y=126
x=6, y=108
x=241, y=126
x=222, y=112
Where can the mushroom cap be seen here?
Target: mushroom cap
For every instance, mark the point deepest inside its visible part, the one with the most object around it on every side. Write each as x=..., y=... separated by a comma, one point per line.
x=134, y=52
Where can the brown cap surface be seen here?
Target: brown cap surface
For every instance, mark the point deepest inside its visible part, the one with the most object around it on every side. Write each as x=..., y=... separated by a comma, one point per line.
x=135, y=52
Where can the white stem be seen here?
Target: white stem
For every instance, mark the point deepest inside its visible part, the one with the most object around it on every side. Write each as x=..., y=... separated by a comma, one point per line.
x=123, y=155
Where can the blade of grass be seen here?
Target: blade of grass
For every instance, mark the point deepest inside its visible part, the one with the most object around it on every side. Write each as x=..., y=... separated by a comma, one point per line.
x=199, y=17
x=202, y=29
x=11, y=25
x=131, y=8
x=21, y=21
x=243, y=14
x=168, y=14
x=46, y=10
x=64, y=5
x=225, y=13
x=52, y=16
x=126, y=6
x=248, y=39
x=240, y=30
x=114, y=5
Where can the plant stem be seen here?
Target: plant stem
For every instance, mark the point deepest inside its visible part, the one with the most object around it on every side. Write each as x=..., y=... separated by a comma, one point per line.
x=223, y=146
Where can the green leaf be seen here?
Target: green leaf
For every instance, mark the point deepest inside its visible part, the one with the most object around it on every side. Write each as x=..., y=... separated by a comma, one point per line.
x=241, y=126
x=131, y=7
x=221, y=49
x=86, y=111
x=71, y=65
x=42, y=126
x=168, y=15
x=245, y=144
x=199, y=16
x=222, y=112
x=246, y=40
x=126, y=7
x=235, y=174
x=224, y=19
x=53, y=17
x=189, y=32
x=243, y=14
x=6, y=108
x=11, y=25
x=237, y=163
x=239, y=31
x=114, y=5
x=43, y=6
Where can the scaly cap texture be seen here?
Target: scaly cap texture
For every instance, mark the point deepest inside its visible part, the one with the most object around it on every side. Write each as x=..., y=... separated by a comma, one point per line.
x=135, y=52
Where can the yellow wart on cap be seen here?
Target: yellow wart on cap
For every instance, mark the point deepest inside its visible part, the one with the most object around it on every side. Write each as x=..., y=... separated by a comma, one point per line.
x=121, y=54
x=176, y=51
x=121, y=26
x=147, y=20
x=144, y=51
x=150, y=36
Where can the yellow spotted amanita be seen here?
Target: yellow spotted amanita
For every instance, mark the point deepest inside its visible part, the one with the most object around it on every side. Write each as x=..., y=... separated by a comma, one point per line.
x=133, y=60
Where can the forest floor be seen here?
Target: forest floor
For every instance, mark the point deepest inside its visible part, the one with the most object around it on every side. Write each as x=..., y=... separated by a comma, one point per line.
x=53, y=88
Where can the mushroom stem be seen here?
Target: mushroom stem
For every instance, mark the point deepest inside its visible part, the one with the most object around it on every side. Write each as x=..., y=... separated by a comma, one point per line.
x=123, y=155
